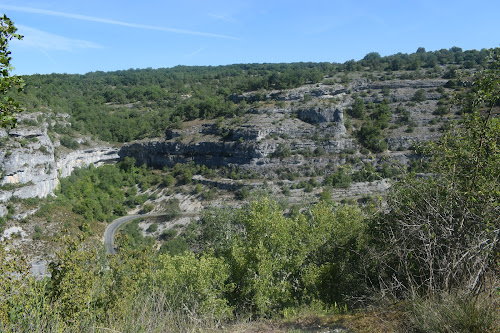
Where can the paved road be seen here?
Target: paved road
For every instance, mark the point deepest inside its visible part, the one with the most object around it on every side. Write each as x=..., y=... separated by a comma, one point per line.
x=109, y=234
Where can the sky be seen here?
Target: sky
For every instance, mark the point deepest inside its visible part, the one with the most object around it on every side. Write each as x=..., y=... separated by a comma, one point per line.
x=81, y=36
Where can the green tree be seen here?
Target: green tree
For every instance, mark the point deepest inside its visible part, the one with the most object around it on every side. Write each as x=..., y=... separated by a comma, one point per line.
x=358, y=108
x=419, y=96
x=8, y=106
x=196, y=284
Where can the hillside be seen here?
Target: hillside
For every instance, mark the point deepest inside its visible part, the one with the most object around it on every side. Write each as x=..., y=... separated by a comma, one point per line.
x=342, y=127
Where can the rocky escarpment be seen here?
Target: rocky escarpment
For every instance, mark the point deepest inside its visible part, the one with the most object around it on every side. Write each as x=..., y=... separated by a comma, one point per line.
x=300, y=128
x=31, y=165
x=325, y=91
x=251, y=143
x=296, y=128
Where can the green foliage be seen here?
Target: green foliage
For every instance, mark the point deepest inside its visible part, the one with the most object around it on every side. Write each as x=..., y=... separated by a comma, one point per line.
x=139, y=103
x=175, y=246
x=358, y=108
x=242, y=194
x=441, y=110
x=282, y=151
x=419, y=96
x=437, y=234
x=339, y=179
x=152, y=228
x=371, y=136
x=168, y=234
x=453, y=313
x=273, y=257
x=172, y=209
x=76, y=283
x=168, y=180
x=8, y=106
x=196, y=283
x=366, y=173
x=98, y=193
x=70, y=143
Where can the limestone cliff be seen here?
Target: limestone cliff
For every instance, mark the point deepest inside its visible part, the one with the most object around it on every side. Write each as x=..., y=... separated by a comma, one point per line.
x=31, y=167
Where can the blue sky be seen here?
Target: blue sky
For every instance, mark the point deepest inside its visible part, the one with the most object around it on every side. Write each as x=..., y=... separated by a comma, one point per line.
x=83, y=36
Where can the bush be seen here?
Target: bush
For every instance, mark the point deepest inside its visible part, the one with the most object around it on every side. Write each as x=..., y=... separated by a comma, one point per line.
x=195, y=283
x=419, y=96
x=152, y=228
x=208, y=194
x=174, y=246
x=282, y=151
x=148, y=208
x=358, y=108
x=70, y=143
x=441, y=232
x=371, y=137
x=168, y=234
x=169, y=180
x=338, y=179
x=441, y=111
x=242, y=194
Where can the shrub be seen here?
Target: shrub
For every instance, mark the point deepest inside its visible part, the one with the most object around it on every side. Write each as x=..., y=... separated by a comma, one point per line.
x=168, y=234
x=152, y=228
x=148, y=208
x=194, y=283
x=339, y=179
x=358, y=108
x=282, y=151
x=174, y=246
x=169, y=180
x=442, y=231
x=242, y=194
x=419, y=96
x=70, y=143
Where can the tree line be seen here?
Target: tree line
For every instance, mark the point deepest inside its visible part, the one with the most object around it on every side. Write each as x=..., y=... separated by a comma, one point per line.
x=137, y=103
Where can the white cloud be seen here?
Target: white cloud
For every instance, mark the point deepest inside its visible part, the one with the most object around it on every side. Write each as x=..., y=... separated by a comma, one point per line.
x=112, y=22
x=192, y=54
x=48, y=41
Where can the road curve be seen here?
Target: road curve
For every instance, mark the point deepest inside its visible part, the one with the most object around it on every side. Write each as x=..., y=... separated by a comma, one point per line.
x=109, y=233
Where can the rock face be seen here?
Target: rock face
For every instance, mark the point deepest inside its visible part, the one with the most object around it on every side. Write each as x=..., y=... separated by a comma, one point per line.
x=295, y=127
x=250, y=144
x=81, y=158
x=31, y=168
x=160, y=153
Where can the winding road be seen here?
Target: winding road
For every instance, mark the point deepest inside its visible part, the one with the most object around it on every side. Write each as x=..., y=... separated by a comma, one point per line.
x=109, y=234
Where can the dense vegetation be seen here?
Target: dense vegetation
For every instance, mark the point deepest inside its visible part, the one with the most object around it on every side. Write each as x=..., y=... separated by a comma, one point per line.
x=433, y=250
x=137, y=103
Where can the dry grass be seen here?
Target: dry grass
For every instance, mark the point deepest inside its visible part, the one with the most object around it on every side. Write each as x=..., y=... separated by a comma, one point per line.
x=363, y=322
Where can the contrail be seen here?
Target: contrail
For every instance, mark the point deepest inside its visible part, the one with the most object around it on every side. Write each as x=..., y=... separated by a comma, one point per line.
x=113, y=22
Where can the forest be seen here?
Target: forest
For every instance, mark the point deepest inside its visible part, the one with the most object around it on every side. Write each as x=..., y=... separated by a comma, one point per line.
x=133, y=104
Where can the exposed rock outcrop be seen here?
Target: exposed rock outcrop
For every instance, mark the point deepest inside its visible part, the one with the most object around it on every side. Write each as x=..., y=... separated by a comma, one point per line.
x=31, y=168
x=248, y=145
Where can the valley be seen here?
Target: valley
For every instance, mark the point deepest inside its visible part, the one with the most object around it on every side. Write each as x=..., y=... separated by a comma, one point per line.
x=209, y=194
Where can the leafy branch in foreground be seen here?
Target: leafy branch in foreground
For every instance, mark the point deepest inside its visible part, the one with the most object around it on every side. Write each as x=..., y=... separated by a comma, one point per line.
x=8, y=106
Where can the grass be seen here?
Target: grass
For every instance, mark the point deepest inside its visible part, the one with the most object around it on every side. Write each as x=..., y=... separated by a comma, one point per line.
x=449, y=313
